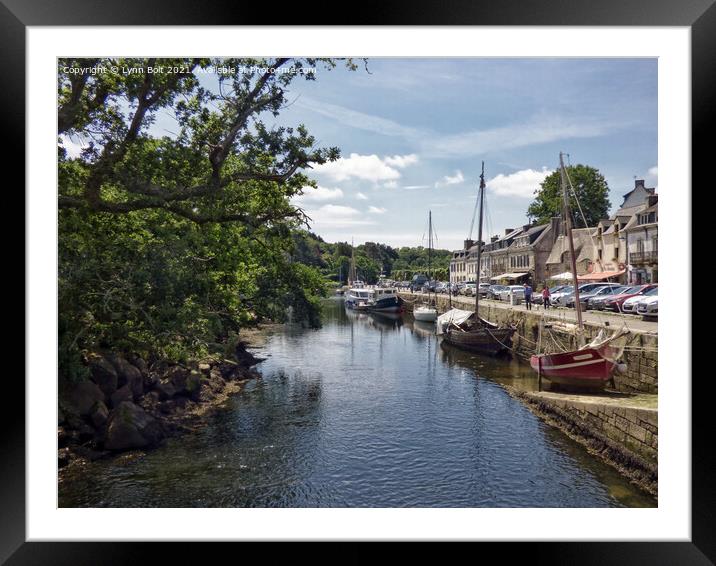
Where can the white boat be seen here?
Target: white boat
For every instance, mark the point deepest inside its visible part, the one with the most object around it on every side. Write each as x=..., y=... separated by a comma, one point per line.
x=425, y=314
x=357, y=297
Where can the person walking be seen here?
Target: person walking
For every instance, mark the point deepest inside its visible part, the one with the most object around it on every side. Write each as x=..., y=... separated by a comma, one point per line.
x=545, y=297
x=528, y=297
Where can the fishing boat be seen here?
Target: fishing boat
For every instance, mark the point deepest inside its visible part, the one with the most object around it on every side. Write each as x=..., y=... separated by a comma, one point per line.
x=466, y=329
x=427, y=312
x=590, y=365
x=384, y=299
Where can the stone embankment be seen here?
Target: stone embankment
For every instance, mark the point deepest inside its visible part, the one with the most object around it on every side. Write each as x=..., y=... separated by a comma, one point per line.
x=128, y=404
x=621, y=430
x=640, y=354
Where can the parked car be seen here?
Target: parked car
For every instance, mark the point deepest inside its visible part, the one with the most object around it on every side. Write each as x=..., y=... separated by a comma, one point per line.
x=630, y=305
x=441, y=287
x=561, y=298
x=483, y=289
x=587, y=296
x=493, y=292
x=615, y=303
x=517, y=290
x=418, y=281
x=469, y=289
x=537, y=293
x=648, y=307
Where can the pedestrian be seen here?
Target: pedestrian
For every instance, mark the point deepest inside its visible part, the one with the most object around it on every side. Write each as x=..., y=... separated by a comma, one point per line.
x=545, y=297
x=528, y=297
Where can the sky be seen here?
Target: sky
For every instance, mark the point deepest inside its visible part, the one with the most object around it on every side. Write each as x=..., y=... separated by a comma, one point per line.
x=413, y=134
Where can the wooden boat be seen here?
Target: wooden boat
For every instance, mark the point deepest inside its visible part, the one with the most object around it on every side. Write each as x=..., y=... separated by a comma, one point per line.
x=465, y=329
x=591, y=365
x=480, y=338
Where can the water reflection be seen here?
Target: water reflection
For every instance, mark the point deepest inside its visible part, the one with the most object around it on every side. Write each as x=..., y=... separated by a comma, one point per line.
x=369, y=411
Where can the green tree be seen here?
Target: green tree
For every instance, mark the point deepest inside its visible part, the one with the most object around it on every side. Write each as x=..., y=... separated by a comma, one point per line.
x=590, y=187
x=169, y=245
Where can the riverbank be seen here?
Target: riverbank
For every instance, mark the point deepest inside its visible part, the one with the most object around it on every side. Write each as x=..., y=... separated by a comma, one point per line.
x=128, y=406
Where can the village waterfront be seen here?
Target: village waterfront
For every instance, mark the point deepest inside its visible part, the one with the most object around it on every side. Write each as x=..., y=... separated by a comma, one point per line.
x=368, y=411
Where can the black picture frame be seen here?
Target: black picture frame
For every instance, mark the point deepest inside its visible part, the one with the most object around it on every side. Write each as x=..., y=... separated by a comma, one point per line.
x=699, y=15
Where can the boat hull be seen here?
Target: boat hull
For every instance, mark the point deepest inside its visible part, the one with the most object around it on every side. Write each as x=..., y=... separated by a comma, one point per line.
x=387, y=305
x=483, y=340
x=581, y=368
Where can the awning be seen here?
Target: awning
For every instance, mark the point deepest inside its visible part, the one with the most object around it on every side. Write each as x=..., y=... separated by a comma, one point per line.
x=566, y=276
x=600, y=276
x=508, y=276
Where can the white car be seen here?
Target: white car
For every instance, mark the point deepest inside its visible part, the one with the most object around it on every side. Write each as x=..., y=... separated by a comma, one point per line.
x=517, y=290
x=630, y=305
x=648, y=307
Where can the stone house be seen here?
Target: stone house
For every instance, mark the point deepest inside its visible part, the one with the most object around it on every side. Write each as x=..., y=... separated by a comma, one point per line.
x=495, y=255
x=642, y=245
x=611, y=255
x=459, y=263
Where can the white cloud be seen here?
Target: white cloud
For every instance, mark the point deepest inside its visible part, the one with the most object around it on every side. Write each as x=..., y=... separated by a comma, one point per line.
x=365, y=167
x=390, y=185
x=401, y=161
x=336, y=216
x=520, y=184
x=357, y=119
x=416, y=187
x=455, y=179
x=319, y=194
x=538, y=129
x=361, y=196
x=377, y=210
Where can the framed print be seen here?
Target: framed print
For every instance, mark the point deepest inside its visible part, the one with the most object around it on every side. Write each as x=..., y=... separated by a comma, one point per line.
x=386, y=279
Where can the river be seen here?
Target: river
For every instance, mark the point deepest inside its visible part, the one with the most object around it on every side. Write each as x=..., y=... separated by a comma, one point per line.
x=367, y=411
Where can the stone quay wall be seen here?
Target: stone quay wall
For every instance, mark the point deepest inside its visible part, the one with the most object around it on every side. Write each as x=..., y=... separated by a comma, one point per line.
x=625, y=436
x=640, y=354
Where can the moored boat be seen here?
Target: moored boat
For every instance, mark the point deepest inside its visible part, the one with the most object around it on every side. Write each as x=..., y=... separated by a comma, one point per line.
x=384, y=299
x=465, y=329
x=591, y=365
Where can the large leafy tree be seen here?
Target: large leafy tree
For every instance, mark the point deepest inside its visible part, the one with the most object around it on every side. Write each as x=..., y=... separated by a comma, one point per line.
x=169, y=244
x=591, y=190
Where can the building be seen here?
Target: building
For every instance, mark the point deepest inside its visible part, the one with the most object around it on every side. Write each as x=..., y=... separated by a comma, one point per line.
x=642, y=245
x=611, y=257
x=495, y=255
x=458, y=263
x=558, y=265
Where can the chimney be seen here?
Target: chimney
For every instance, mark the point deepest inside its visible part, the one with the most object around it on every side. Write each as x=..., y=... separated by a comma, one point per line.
x=526, y=227
x=508, y=230
x=639, y=183
x=494, y=239
x=652, y=200
x=468, y=244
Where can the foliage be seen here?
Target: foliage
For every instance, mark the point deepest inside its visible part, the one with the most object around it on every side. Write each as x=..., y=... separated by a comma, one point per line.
x=591, y=189
x=170, y=245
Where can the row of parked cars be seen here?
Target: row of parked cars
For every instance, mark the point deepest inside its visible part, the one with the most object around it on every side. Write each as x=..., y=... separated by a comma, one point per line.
x=631, y=299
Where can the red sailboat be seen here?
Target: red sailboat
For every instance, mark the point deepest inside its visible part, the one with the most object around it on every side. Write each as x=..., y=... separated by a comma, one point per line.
x=591, y=365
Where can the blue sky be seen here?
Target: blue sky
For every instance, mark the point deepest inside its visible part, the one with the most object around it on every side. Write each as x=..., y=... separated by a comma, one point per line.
x=413, y=133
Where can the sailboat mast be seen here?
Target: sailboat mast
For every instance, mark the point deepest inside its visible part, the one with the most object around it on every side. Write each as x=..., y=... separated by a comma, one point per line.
x=479, y=241
x=352, y=275
x=573, y=259
x=430, y=242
